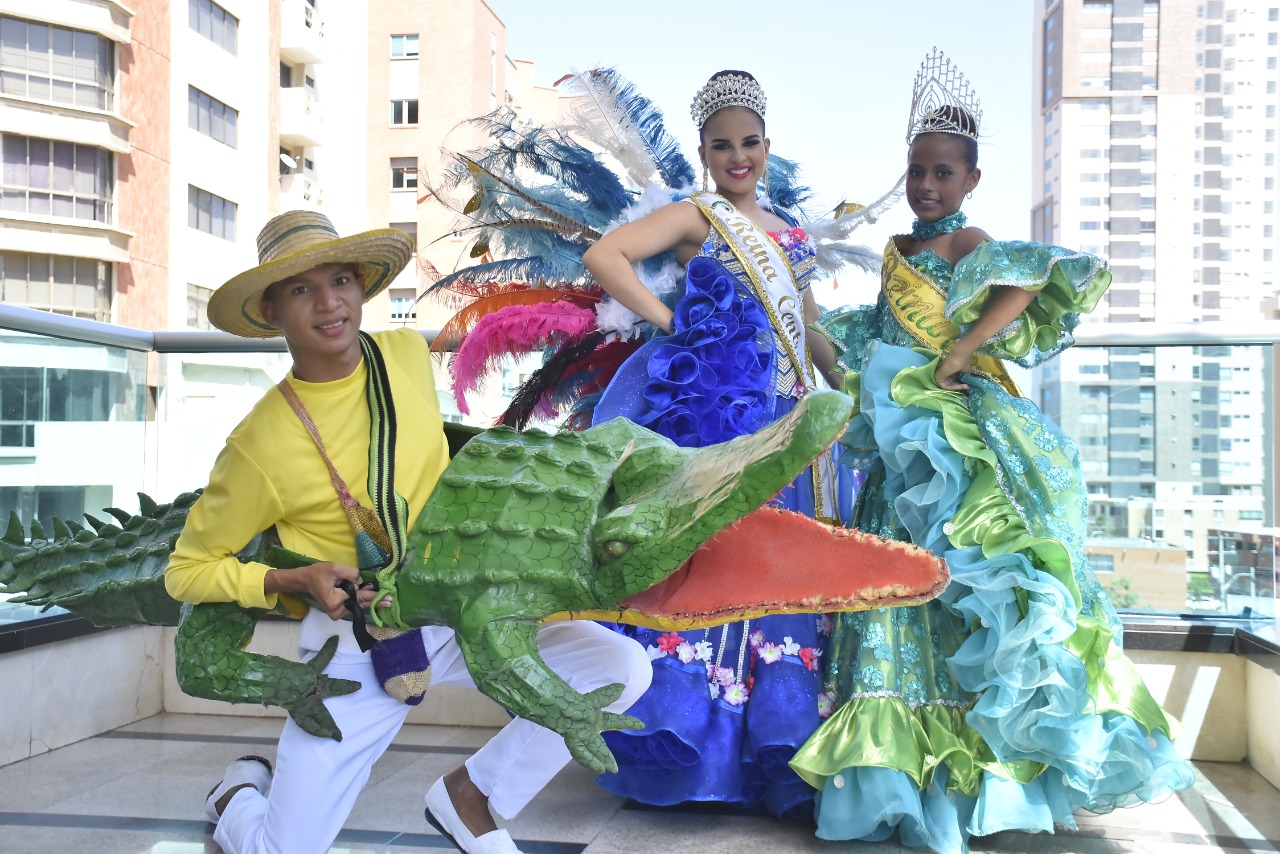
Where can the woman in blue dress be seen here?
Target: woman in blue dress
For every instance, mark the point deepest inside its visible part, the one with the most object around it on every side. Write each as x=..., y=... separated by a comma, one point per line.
x=730, y=705
x=1007, y=703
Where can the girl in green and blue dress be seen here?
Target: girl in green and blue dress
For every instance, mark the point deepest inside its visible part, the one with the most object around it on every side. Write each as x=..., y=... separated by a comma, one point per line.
x=1007, y=703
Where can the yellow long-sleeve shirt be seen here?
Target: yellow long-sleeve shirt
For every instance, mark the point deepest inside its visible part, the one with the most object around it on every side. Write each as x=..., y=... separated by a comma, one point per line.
x=271, y=473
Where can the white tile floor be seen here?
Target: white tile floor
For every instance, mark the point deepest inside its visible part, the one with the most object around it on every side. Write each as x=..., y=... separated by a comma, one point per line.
x=141, y=789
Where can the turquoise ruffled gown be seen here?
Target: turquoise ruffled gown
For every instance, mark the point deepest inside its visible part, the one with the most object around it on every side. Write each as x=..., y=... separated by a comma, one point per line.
x=730, y=705
x=1007, y=703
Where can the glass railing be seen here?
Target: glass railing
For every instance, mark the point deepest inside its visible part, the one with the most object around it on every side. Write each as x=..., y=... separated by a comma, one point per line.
x=73, y=430
x=1175, y=426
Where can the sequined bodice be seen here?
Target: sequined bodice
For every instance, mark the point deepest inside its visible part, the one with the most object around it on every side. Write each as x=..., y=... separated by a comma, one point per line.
x=797, y=246
x=929, y=263
x=933, y=265
x=802, y=258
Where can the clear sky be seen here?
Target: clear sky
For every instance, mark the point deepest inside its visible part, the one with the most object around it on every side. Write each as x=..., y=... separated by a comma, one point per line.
x=838, y=76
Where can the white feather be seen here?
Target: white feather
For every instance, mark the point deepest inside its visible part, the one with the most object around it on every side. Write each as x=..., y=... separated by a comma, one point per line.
x=835, y=255
x=829, y=235
x=614, y=317
x=595, y=115
x=652, y=196
x=837, y=228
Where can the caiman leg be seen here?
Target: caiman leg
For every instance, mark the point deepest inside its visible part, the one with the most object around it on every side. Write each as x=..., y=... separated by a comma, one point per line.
x=212, y=664
x=504, y=661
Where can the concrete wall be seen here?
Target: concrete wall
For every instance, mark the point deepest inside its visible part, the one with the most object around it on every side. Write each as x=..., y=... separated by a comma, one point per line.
x=63, y=692
x=1205, y=693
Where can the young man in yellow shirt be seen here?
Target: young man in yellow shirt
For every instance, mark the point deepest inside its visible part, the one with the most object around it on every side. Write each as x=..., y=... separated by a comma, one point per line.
x=310, y=286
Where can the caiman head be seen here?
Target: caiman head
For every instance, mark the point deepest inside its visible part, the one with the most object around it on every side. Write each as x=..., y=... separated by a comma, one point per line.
x=664, y=501
x=527, y=525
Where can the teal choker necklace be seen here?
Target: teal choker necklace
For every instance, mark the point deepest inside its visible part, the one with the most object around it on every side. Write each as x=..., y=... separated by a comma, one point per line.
x=929, y=230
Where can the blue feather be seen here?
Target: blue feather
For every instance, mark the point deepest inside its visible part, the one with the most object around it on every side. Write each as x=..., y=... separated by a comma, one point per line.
x=673, y=167
x=785, y=189
x=532, y=270
x=548, y=153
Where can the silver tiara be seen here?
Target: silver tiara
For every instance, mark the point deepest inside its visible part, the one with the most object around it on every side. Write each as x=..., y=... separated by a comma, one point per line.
x=942, y=100
x=731, y=90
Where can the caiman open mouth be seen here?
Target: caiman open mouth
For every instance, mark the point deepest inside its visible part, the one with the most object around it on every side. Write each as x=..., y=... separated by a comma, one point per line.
x=776, y=561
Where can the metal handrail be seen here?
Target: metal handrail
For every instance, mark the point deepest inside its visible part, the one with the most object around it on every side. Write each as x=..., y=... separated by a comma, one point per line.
x=1158, y=334
x=19, y=319
x=16, y=318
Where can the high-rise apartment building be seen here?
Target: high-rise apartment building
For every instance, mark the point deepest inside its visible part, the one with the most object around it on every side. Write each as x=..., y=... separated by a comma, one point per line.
x=431, y=67
x=1158, y=152
x=145, y=144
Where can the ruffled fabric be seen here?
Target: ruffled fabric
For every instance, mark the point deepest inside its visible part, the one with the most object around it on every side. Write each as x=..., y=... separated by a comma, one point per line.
x=1006, y=703
x=728, y=706
x=1066, y=283
x=710, y=380
x=724, y=715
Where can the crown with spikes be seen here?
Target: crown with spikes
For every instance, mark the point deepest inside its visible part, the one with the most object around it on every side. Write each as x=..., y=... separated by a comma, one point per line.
x=942, y=100
x=729, y=90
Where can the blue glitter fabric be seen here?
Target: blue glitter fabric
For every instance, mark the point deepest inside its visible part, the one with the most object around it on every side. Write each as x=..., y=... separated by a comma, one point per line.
x=1006, y=703
x=729, y=705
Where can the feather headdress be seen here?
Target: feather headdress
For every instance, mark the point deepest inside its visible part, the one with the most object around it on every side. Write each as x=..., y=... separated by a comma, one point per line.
x=531, y=201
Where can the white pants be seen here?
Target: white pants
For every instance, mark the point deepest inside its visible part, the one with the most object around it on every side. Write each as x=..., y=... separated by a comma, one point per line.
x=317, y=780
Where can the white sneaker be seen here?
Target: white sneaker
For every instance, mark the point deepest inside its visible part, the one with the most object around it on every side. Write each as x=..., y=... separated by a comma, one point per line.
x=252, y=770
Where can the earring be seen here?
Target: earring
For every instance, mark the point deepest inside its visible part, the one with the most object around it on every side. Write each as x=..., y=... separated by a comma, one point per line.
x=969, y=195
x=704, y=177
x=767, y=193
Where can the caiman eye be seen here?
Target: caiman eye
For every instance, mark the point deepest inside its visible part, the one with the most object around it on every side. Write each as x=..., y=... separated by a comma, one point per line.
x=617, y=548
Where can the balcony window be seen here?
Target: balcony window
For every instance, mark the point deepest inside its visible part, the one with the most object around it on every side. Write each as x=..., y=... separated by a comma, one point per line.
x=404, y=112
x=43, y=502
x=404, y=305
x=404, y=173
x=198, y=307
x=214, y=23
x=404, y=47
x=80, y=287
x=211, y=117
x=60, y=179
x=29, y=396
x=210, y=213
x=56, y=64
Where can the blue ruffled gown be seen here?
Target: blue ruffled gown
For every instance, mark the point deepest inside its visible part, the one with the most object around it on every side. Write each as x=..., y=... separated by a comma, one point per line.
x=1007, y=703
x=730, y=705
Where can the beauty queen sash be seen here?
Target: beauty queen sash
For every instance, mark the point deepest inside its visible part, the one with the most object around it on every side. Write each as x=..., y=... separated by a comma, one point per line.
x=770, y=275
x=774, y=285
x=918, y=302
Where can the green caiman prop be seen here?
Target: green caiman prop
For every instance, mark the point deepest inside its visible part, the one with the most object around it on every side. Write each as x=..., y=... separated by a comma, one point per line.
x=606, y=523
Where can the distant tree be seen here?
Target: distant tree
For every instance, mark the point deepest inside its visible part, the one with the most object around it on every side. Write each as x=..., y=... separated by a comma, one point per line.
x=1121, y=590
x=1199, y=587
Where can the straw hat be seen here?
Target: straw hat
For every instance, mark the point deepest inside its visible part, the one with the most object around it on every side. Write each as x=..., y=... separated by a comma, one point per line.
x=293, y=243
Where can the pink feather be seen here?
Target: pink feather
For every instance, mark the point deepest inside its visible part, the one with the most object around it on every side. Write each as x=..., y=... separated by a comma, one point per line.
x=510, y=332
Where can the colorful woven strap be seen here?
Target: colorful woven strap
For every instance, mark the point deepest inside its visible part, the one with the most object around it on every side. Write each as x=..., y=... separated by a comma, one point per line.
x=381, y=534
x=392, y=509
